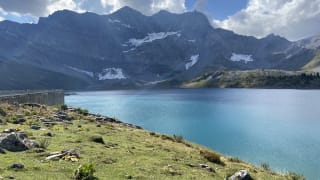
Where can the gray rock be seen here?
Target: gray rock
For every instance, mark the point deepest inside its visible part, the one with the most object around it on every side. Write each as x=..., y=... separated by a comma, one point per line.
x=241, y=175
x=99, y=118
x=9, y=130
x=62, y=115
x=39, y=150
x=2, y=151
x=19, y=116
x=48, y=134
x=35, y=127
x=3, y=122
x=19, y=121
x=17, y=166
x=16, y=142
x=208, y=168
x=10, y=177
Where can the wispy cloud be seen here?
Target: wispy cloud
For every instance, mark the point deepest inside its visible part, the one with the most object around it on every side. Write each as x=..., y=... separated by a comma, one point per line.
x=293, y=19
x=200, y=5
x=147, y=6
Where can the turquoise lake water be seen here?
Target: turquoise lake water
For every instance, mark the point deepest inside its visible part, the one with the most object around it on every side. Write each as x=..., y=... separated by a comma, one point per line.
x=278, y=127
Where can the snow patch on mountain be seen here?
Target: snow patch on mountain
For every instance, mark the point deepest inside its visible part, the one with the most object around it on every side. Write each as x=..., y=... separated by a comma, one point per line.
x=119, y=22
x=192, y=61
x=241, y=58
x=152, y=37
x=88, y=73
x=111, y=73
x=113, y=21
x=132, y=49
x=156, y=82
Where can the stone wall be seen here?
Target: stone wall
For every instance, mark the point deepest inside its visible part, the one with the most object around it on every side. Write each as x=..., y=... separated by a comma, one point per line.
x=50, y=97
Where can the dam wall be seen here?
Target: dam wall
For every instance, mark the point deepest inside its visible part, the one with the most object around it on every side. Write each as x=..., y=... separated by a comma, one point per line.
x=47, y=97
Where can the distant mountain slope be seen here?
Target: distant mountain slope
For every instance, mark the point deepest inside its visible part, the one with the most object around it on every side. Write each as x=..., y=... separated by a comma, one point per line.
x=310, y=43
x=127, y=48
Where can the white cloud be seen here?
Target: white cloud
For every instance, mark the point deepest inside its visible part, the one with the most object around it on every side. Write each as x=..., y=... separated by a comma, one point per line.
x=62, y=4
x=293, y=19
x=39, y=8
x=3, y=12
x=36, y=8
x=147, y=6
x=1, y=18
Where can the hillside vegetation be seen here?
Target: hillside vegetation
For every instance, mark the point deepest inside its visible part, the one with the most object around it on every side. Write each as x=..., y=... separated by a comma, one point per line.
x=60, y=139
x=256, y=79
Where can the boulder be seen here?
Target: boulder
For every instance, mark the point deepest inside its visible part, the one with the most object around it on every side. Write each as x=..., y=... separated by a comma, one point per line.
x=241, y=175
x=16, y=141
x=32, y=105
x=9, y=130
x=17, y=166
x=99, y=118
x=3, y=122
x=19, y=121
x=35, y=127
x=61, y=116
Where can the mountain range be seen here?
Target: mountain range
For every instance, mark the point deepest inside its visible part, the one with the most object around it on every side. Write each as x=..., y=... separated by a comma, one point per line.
x=127, y=49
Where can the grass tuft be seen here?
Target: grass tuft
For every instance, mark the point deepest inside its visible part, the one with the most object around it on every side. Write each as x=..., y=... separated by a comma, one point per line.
x=44, y=143
x=211, y=156
x=97, y=139
x=2, y=112
x=265, y=166
x=85, y=172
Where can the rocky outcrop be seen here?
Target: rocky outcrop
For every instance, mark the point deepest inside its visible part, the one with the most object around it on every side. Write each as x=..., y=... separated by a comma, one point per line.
x=241, y=175
x=16, y=141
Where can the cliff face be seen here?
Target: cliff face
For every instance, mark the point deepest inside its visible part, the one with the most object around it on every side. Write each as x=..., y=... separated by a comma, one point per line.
x=56, y=140
x=128, y=49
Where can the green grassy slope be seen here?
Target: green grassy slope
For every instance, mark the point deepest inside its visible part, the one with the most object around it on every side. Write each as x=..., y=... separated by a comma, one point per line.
x=127, y=152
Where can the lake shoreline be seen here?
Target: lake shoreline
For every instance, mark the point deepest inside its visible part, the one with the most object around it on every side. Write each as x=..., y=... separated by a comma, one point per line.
x=243, y=117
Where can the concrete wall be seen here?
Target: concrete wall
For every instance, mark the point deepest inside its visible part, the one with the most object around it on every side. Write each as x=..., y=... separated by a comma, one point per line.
x=50, y=97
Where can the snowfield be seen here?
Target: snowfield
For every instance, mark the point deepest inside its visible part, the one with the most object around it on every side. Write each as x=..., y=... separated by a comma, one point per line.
x=241, y=58
x=91, y=74
x=119, y=22
x=151, y=37
x=193, y=60
x=111, y=73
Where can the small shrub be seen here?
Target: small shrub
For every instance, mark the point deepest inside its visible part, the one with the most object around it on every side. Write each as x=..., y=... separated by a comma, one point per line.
x=295, y=176
x=2, y=112
x=84, y=112
x=44, y=143
x=234, y=159
x=27, y=113
x=212, y=156
x=178, y=138
x=166, y=137
x=154, y=134
x=85, y=172
x=64, y=107
x=170, y=170
x=97, y=139
x=265, y=166
x=29, y=133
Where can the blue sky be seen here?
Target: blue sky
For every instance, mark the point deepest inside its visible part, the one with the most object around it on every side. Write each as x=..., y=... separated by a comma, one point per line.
x=292, y=19
x=220, y=9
